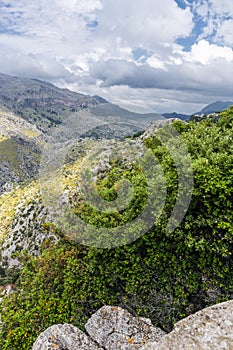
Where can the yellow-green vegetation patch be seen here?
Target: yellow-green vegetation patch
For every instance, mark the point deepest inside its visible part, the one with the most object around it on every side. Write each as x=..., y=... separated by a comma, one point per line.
x=9, y=202
x=9, y=151
x=3, y=138
x=30, y=133
x=70, y=175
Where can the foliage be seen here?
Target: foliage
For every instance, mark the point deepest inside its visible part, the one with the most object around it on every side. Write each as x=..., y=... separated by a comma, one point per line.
x=164, y=276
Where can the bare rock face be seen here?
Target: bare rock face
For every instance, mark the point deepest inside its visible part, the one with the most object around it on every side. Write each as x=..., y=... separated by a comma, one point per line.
x=115, y=328
x=64, y=337
x=210, y=328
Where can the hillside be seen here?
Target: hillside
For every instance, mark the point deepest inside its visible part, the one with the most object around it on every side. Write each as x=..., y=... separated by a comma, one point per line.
x=39, y=102
x=160, y=248
x=33, y=111
x=20, y=148
x=91, y=218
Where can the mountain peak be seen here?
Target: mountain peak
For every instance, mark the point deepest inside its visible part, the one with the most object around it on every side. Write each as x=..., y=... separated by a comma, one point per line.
x=216, y=106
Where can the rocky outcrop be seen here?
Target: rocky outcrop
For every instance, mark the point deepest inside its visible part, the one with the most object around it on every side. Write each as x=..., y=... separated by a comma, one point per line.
x=115, y=328
x=112, y=328
x=64, y=337
x=210, y=328
x=154, y=126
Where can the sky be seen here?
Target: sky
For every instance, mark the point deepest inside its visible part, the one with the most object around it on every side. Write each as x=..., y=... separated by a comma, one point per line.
x=146, y=56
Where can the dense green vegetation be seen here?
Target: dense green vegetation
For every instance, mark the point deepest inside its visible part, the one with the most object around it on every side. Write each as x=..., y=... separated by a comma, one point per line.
x=162, y=275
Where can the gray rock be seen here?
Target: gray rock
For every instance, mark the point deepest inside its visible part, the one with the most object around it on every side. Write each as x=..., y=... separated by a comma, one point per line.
x=158, y=125
x=115, y=328
x=64, y=337
x=210, y=328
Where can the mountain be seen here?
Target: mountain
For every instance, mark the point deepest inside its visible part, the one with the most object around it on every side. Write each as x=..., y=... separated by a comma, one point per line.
x=32, y=110
x=47, y=106
x=216, y=106
x=111, y=113
x=77, y=193
x=176, y=115
x=213, y=107
x=40, y=102
x=20, y=148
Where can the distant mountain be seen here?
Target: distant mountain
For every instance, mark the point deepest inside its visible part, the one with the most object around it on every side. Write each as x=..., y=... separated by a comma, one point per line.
x=113, y=113
x=176, y=115
x=215, y=107
x=46, y=106
x=40, y=102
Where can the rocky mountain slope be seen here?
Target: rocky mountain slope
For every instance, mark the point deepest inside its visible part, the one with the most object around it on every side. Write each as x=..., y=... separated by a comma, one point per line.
x=20, y=147
x=47, y=106
x=92, y=193
x=25, y=208
x=51, y=174
x=33, y=115
x=39, y=102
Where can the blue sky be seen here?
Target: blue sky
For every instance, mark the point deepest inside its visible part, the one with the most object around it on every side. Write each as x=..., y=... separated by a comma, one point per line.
x=145, y=56
x=198, y=26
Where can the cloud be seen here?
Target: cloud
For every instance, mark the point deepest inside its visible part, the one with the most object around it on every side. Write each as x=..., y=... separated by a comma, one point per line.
x=63, y=28
x=225, y=33
x=148, y=24
x=190, y=76
x=218, y=16
x=34, y=65
x=205, y=53
x=123, y=50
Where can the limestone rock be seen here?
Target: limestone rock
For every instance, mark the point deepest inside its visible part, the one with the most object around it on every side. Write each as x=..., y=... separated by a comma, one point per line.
x=210, y=328
x=158, y=125
x=115, y=328
x=64, y=337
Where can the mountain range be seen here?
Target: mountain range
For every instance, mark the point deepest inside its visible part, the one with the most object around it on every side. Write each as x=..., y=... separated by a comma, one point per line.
x=46, y=106
x=32, y=110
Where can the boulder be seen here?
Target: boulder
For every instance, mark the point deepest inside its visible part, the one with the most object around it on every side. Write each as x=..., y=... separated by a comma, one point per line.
x=115, y=328
x=64, y=337
x=210, y=328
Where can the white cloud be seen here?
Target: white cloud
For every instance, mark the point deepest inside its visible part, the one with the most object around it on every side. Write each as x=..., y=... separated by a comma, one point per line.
x=89, y=45
x=34, y=65
x=225, y=33
x=222, y=7
x=205, y=53
x=202, y=9
x=218, y=16
x=58, y=30
x=148, y=24
x=155, y=62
